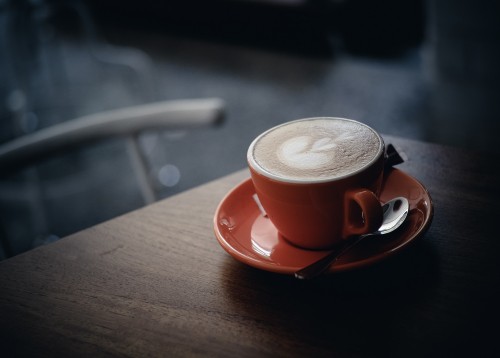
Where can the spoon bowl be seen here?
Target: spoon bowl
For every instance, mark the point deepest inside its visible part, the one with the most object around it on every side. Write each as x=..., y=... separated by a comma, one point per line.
x=395, y=212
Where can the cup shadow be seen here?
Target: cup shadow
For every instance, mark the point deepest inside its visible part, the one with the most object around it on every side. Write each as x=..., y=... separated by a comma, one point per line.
x=355, y=311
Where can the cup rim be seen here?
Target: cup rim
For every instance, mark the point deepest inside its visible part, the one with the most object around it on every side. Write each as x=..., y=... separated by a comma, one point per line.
x=255, y=166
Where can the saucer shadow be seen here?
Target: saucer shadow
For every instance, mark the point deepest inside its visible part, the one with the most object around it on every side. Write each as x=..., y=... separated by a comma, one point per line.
x=354, y=311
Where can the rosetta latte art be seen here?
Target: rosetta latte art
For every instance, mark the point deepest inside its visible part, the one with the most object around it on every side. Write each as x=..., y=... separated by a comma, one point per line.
x=305, y=152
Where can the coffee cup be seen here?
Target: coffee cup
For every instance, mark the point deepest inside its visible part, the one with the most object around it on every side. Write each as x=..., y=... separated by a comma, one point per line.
x=319, y=179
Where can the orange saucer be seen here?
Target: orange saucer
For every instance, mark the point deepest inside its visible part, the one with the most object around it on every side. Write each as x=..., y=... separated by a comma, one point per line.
x=252, y=239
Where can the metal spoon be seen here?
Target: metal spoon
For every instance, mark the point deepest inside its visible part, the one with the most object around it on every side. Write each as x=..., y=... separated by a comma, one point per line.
x=395, y=212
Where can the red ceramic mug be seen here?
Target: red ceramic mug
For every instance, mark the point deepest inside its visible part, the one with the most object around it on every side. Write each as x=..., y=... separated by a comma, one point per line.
x=319, y=179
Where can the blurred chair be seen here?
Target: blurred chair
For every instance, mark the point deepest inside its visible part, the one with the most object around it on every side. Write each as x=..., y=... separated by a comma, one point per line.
x=125, y=123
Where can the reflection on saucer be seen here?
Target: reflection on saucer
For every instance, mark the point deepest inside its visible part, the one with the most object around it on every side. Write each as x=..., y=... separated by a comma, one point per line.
x=264, y=236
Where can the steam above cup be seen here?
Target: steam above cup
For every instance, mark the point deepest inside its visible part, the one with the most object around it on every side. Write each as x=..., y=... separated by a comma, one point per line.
x=319, y=179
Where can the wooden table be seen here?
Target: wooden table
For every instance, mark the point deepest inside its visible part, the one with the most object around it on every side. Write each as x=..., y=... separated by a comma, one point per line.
x=155, y=282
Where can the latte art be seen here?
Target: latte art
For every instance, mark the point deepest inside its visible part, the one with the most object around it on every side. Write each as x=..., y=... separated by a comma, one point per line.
x=306, y=152
x=315, y=149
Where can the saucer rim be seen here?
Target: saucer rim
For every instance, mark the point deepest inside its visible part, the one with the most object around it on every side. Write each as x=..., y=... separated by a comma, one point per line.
x=347, y=266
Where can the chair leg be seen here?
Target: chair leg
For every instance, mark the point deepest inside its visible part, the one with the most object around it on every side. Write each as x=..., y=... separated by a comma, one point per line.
x=141, y=169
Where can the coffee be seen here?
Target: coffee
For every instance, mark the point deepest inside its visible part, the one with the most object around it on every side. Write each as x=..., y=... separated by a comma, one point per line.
x=319, y=179
x=315, y=149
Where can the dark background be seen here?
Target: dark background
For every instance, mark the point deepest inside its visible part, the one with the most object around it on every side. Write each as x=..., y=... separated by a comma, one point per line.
x=425, y=70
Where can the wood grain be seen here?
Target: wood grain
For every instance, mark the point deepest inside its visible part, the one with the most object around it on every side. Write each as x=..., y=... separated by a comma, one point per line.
x=155, y=282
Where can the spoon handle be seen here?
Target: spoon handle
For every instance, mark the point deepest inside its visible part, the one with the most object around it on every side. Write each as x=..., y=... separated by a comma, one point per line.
x=320, y=266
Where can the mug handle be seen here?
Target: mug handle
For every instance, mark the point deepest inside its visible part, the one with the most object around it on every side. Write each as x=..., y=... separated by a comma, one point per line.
x=363, y=213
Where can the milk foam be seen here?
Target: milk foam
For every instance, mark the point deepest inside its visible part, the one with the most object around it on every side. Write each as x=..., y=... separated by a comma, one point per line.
x=316, y=148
